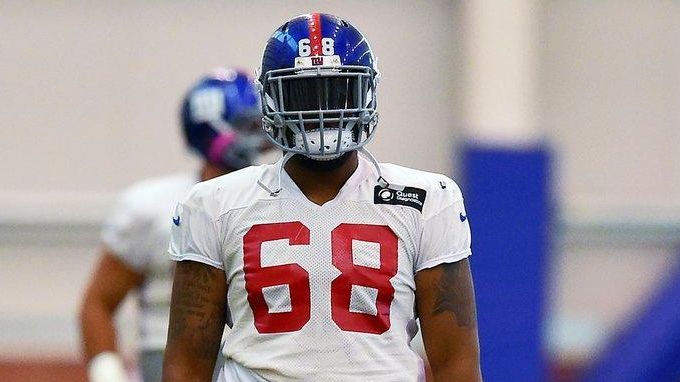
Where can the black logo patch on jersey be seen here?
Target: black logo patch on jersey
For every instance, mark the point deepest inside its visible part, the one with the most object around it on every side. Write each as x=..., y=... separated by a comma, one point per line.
x=409, y=197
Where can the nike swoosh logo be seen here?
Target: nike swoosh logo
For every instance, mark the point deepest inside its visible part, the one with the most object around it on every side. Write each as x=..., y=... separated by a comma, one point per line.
x=176, y=220
x=462, y=217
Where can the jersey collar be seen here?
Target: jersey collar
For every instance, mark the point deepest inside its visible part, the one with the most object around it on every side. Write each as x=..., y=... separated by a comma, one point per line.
x=360, y=174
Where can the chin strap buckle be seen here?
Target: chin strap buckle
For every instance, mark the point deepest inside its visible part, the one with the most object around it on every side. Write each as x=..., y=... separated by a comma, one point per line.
x=277, y=191
x=381, y=181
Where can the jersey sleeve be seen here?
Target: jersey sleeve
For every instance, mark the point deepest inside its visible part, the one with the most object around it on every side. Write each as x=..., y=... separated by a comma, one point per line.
x=445, y=235
x=125, y=231
x=194, y=235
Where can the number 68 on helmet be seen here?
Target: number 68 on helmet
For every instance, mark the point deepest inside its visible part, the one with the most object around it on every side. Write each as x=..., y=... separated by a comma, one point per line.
x=318, y=86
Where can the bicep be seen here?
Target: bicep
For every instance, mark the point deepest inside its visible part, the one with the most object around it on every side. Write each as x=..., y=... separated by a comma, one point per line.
x=109, y=284
x=111, y=281
x=197, y=317
x=446, y=306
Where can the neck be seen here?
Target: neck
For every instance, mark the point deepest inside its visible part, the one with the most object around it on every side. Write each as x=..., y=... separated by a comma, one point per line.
x=209, y=171
x=321, y=181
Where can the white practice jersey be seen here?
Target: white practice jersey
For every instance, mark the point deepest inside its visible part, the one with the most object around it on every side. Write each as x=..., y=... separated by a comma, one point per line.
x=138, y=232
x=322, y=293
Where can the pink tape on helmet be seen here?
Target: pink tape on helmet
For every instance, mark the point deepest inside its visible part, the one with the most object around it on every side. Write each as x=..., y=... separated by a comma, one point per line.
x=219, y=144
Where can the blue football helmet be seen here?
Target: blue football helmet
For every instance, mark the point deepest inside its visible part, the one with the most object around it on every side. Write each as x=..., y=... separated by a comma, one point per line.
x=221, y=119
x=318, y=84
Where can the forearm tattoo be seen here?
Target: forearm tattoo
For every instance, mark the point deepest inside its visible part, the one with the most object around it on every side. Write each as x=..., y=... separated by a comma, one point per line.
x=195, y=317
x=455, y=294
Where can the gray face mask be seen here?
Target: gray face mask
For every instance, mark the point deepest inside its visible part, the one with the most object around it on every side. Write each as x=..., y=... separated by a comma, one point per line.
x=242, y=152
x=235, y=151
x=320, y=112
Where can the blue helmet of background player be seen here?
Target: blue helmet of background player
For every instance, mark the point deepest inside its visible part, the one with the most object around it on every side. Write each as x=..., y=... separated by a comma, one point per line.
x=221, y=116
x=318, y=85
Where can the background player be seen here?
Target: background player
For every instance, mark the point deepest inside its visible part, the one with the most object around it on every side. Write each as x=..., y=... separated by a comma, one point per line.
x=221, y=122
x=324, y=260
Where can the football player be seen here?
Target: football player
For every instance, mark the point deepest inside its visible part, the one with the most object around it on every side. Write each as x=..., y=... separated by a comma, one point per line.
x=221, y=117
x=326, y=258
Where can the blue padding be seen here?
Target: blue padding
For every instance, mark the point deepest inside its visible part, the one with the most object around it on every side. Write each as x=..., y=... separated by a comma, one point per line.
x=649, y=349
x=508, y=200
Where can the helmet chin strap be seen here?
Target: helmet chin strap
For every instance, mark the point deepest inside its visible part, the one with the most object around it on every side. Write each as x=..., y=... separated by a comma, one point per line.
x=278, y=188
x=381, y=181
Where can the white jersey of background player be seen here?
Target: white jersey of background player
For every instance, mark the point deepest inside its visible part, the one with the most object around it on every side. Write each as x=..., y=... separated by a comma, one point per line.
x=326, y=258
x=220, y=118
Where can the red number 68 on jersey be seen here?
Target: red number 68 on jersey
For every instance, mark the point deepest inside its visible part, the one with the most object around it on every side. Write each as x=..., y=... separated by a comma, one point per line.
x=258, y=277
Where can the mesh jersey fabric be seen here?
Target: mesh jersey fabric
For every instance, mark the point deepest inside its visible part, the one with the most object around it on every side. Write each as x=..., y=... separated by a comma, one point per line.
x=341, y=276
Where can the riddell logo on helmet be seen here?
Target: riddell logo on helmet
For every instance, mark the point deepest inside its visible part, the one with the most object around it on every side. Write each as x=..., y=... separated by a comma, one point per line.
x=317, y=61
x=409, y=196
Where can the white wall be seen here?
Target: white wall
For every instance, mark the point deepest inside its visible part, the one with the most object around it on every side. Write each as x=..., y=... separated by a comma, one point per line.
x=90, y=89
x=611, y=101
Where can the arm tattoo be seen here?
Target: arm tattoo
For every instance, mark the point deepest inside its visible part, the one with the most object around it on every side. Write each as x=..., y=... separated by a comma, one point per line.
x=196, y=316
x=455, y=294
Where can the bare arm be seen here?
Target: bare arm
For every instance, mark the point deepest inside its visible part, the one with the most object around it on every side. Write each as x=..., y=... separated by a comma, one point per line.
x=197, y=318
x=448, y=318
x=110, y=283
